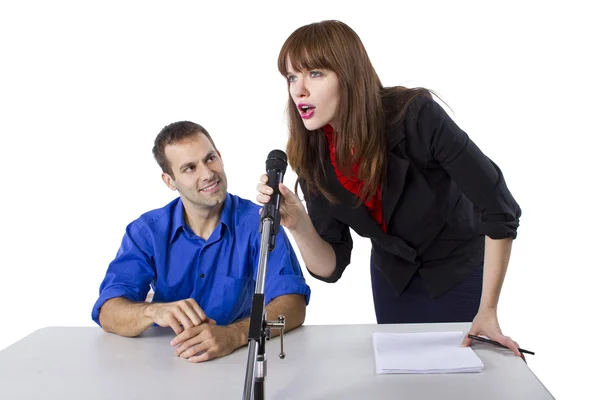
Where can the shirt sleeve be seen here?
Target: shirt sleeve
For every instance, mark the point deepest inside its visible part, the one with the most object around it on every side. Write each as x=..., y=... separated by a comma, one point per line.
x=283, y=275
x=335, y=233
x=479, y=178
x=129, y=275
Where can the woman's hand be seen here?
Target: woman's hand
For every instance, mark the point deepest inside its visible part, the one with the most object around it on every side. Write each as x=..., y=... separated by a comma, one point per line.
x=291, y=211
x=486, y=323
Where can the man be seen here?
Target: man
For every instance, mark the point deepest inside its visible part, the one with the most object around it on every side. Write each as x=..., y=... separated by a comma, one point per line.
x=200, y=255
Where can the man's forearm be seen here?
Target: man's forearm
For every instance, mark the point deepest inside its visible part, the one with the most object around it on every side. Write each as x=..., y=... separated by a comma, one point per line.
x=497, y=255
x=292, y=306
x=124, y=317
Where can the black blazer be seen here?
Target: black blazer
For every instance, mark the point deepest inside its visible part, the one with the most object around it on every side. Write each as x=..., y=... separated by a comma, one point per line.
x=441, y=195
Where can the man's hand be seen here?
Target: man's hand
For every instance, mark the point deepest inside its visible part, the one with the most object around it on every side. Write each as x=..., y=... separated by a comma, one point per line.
x=207, y=341
x=183, y=312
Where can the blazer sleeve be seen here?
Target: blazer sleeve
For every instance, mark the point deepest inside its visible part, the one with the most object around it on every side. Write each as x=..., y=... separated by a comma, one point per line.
x=479, y=178
x=334, y=232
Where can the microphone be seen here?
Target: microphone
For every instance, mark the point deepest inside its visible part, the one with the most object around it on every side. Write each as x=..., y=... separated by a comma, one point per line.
x=276, y=166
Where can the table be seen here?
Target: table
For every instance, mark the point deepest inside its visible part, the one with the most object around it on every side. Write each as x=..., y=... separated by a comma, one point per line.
x=323, y=362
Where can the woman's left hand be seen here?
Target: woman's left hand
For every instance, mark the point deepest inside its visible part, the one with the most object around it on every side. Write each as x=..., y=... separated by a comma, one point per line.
x=486, y=324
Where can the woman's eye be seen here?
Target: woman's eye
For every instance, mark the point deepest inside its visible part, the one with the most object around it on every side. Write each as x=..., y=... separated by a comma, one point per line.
x=291, y=78
x=315, y=74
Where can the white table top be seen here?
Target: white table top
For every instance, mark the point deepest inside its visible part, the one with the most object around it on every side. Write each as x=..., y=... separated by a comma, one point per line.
x=323, y=362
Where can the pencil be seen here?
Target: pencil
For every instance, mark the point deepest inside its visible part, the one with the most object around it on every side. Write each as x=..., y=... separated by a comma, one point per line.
x=481, y=339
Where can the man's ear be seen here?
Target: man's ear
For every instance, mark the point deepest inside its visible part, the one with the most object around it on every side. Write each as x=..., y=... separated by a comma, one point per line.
x=168, y=181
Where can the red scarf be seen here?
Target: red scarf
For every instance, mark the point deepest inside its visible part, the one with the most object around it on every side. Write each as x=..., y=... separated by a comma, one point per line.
x=353, y=184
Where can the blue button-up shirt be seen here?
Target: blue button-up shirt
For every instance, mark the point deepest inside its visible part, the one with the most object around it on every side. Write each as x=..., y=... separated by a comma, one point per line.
x=160, y=251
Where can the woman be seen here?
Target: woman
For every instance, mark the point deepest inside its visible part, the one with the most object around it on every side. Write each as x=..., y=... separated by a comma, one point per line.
x=393, y=166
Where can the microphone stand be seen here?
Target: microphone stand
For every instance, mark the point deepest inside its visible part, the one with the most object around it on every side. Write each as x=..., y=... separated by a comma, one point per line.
x=260, y=329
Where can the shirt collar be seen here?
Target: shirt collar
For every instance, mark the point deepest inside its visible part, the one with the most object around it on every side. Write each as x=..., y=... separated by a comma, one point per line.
x=179, y=220
x=328, y=130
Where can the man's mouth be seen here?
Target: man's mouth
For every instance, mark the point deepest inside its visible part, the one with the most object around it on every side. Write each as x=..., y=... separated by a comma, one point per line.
x=210, y=187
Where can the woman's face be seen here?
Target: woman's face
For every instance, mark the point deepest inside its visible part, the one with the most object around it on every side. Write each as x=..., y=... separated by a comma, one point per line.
x=316, y=95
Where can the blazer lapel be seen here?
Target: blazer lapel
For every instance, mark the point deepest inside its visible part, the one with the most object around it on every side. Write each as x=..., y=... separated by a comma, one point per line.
x=359, y=217
x=395, y=179
x=393, y=185
x=347, y=211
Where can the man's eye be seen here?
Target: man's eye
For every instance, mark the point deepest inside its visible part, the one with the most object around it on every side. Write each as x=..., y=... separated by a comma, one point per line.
x=190, y=169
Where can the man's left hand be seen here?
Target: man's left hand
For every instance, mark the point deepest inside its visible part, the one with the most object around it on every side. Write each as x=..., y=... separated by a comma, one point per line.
x=205, y=342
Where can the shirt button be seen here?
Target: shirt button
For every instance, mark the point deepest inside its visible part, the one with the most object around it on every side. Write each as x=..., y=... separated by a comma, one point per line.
x=201, y=275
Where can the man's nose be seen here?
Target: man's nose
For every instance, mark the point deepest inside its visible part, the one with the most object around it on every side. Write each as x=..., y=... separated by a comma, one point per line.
x=206, y=174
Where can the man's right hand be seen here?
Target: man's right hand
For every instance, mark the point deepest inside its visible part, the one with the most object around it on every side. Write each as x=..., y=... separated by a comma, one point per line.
x=183, y=312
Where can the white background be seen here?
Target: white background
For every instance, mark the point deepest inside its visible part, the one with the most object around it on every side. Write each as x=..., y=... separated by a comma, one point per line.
x=85, y=88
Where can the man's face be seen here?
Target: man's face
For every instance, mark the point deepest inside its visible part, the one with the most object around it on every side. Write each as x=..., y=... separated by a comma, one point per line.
x=198, y=172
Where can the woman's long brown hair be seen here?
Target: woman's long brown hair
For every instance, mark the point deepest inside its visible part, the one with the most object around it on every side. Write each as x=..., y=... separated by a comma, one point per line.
x=361, y=115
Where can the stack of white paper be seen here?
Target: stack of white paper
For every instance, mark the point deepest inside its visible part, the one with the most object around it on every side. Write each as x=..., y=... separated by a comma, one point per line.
x=423, y=353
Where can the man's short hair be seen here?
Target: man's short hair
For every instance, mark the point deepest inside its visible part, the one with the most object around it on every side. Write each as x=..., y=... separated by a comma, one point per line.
x=174, y=133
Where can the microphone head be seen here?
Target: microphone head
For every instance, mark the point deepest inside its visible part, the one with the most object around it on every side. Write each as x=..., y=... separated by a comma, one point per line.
x=277, y=160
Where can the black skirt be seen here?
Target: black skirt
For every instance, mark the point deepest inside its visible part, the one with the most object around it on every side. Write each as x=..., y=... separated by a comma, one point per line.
x=414, y=305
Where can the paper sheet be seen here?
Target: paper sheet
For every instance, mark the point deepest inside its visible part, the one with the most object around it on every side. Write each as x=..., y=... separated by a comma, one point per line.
x=423, y=353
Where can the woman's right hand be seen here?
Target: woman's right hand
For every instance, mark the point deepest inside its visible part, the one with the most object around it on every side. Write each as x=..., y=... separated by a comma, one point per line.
x=291, y=210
